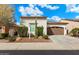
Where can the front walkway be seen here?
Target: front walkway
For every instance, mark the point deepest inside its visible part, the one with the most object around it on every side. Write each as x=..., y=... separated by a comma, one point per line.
x=59, y=42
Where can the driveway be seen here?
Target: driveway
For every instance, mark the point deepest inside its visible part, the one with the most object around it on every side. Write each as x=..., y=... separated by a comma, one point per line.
x=58, y=42
x=65, y=42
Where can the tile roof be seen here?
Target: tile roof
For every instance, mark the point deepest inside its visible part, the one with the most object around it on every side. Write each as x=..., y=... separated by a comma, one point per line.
x=33, y=17
x=75, y=20
x=57, y=23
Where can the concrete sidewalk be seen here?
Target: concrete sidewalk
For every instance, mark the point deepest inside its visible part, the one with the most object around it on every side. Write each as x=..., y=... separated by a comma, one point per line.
x=28, y=46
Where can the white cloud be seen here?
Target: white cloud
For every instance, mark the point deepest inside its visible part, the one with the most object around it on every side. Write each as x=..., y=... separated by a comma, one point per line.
x=18, y=23
x=49, y=6
x=72, y=8
x=37, y=12
x=31, y=5
x=31, y=10
x=55, y=18
x=22, y=10
x=77, y=17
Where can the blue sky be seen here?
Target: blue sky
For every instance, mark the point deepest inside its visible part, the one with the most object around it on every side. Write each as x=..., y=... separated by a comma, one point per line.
x=54, y=12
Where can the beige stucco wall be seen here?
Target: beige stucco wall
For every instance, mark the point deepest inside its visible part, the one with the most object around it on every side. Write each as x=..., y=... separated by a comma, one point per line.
x=72, y=25
x=41, y=22
x=66, y=21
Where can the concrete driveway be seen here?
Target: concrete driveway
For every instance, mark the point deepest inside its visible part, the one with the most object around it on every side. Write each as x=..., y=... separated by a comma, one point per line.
x=58, y=42
x=65, y=42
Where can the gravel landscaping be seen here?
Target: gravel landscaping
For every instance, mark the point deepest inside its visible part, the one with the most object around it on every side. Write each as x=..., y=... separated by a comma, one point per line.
x=32, y=40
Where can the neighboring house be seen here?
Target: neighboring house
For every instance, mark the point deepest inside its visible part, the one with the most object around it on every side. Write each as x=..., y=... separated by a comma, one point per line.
x=30, y=23
x=15, y=27
x=13, y=30
x=5, y=29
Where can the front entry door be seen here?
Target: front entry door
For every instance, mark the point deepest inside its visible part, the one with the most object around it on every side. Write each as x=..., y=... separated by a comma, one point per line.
x=32, y=28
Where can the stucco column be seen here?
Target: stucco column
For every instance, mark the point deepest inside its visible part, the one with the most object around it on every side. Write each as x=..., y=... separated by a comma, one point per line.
x=46, y=28
x=65, y=31
x=29, y=30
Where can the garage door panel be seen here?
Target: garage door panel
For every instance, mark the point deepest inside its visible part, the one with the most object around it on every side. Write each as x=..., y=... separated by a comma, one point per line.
x=55, y=31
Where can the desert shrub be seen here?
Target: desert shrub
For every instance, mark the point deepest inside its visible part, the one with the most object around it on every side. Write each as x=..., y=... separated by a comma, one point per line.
x=31, y=35
x=3, y=35
x=22, y=31
x=40, y=31
x=74, y=32
x=40, y=37
x=12, y=39
x=45, y=36
x=15, y=33
x=36, y=36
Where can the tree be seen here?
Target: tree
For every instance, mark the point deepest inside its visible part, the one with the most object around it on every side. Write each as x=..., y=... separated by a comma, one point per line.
x=36, y=31
x=7, y=15
x=22, y=31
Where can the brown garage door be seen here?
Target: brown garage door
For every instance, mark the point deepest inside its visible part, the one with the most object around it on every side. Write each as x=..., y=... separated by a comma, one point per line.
x=55, y=31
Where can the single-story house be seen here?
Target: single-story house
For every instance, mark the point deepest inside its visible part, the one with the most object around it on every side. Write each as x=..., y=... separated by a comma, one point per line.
x=51, y=28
